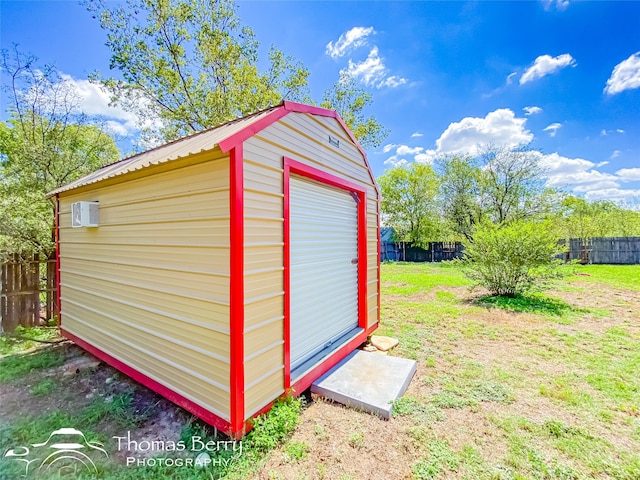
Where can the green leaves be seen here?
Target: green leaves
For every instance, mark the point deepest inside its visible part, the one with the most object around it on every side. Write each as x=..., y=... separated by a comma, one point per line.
x=190, y=64
x=409, y=202
x=350, y=101
x=512, y=259
x=46, y=143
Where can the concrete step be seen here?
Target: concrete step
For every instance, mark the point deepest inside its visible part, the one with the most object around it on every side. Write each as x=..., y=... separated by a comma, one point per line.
x=367, y=381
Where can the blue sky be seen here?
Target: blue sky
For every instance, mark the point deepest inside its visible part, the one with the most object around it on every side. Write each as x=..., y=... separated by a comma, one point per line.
x=445, y=76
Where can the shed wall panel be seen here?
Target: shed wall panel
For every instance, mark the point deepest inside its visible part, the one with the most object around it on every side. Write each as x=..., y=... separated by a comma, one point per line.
x=303, y=138
x=150, y=285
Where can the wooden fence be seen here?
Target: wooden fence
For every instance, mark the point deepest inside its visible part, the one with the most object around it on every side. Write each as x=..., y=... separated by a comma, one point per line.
x=605, y=250
x=597, y=250
x=28, y=293
x=405, y=252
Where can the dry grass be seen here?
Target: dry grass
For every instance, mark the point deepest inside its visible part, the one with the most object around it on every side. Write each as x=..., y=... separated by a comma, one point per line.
x=551, y=391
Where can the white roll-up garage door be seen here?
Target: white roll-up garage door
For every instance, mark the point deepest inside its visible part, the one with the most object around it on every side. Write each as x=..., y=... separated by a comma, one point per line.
x=323, y=226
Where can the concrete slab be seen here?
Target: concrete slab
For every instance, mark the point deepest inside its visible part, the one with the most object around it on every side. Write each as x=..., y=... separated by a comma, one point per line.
x=367, y=381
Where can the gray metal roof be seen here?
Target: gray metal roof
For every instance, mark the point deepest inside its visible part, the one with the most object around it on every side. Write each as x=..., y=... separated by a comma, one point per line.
x=181, y=148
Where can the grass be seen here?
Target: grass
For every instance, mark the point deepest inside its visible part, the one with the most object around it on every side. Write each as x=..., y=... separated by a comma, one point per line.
x=20, y=341
x=534, y=387
x=617, y=276
x=551, y=359
x=114, y=410
x=20, y=364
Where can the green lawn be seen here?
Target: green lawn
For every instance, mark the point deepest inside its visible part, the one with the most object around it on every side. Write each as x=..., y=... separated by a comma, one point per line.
x=545, y=386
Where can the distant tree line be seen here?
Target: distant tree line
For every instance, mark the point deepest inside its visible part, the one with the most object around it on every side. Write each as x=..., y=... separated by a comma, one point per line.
x=451, y=199
x=496, y=203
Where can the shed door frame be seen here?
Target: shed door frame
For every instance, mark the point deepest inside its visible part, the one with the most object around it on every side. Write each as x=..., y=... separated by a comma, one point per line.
x=298, y=168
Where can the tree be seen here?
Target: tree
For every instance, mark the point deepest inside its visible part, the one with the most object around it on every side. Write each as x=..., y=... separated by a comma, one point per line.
x=579, y=218
x=512, y=259
x=349, y=100
x=460, y=193
x=46, y=143
x=409, y=202
x=190, y=64
x=512, y=184
x=499, y=185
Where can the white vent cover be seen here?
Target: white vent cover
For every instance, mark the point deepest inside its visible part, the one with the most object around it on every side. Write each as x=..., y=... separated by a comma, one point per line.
x=84, y=214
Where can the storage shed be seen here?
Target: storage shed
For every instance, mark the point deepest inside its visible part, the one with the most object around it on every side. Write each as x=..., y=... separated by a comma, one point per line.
x=228, y=267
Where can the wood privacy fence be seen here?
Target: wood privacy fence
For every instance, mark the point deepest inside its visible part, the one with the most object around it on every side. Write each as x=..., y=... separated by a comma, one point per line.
x=597, y=250
x=605, y=250
x=405, y=252
x=28, y=291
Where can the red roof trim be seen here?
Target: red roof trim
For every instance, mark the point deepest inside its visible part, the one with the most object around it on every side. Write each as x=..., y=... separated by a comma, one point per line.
x=284, y=109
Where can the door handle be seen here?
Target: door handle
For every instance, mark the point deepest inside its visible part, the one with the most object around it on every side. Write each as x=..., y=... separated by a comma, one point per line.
x=354, y=261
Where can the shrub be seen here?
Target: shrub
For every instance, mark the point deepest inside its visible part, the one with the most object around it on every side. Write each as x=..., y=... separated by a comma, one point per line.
x=513, y=259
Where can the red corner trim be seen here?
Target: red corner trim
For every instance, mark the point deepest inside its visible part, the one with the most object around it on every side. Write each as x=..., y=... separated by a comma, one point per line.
x=379, y=241
x=287, y=278
x=56, y=232
x=298, y=168
x=236, y=293
x=152, y=384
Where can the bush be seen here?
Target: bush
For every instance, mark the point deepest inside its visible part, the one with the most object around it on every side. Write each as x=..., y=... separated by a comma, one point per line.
x=511, y=260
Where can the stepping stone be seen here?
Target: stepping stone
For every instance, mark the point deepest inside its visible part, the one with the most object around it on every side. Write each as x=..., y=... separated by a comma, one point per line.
x=367, y=381
x=383, y=343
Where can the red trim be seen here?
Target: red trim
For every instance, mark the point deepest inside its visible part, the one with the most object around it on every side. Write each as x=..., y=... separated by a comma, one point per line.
x=152, y=384
x=56, y=233
x=331, y=361
x=379, y=240
x=239, y=137
x=299, y=168
x=236, y=293
x=287, y=278
x=284, y=109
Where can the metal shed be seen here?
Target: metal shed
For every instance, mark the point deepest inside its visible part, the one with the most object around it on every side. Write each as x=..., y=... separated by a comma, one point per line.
x=228, y=267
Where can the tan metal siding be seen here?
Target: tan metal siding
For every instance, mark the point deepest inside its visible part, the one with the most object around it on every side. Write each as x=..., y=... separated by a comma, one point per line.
x=263, y=280
x=150, y=285
x=304, y=138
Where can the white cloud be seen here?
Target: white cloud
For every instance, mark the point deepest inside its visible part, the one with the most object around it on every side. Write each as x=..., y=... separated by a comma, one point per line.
x=510, y=77
x=616, y=194
x=500, y=127
x=416, y=134
x=619, y=130
x=552, y=129
x=616, y=153
x=387, y=148
x=625, y=75
x=560, y=5
x=602, y=164
x=94, y=101
x=577, y=174
x=629, y=174
x=406, y=150
x=372, y=72
x=546, y=65
x=532, y=110
x=396, y=161
x=348, y=41
x=393, y=82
